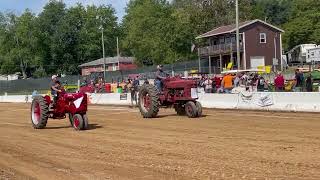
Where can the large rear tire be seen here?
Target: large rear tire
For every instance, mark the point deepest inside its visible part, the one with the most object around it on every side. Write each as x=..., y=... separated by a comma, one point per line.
x=199, y=109
x=148, y=101
x=191, y=109
x=78, y=122
x=39, y=112
x=181, y=111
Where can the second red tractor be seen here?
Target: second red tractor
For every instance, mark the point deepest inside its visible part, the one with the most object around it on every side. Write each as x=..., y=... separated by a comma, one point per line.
x=177, y=92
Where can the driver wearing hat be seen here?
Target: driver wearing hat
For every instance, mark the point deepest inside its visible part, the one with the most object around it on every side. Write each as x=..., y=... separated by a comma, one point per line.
x=160, y=75
x=55, y=86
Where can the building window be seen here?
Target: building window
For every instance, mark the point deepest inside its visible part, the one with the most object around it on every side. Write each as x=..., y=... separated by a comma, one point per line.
x=263, y=38
x=228, y=40
x=221, y=40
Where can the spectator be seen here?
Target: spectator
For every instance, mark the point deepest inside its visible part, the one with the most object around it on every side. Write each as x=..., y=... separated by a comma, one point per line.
x=201, y=82
x=208, y=85
x=214, y=84
x=236, y=80
x=227, y=83
x=129, y=85
x=262, y=85
x=218, y=81
x=146, y=81
x=309, y=83
x=299, y=81
x=279, y=82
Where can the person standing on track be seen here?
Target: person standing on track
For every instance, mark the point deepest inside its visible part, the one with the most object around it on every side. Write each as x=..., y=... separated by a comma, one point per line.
x=134, y=90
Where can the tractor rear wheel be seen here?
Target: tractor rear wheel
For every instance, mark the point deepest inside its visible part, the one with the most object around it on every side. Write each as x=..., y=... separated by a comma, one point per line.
x=78, y=122
x=199, y=109
x=85, y=121
x=148, y=101
x=181, y=111
x=39, y=112
x=191, y=109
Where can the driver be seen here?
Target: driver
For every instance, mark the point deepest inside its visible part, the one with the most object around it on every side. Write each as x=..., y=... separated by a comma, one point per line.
x=55, y=87
x=160, y=75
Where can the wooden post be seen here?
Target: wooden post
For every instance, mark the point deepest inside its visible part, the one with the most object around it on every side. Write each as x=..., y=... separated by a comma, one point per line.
x=231, y=54
x=221, y=68
x=209, y=64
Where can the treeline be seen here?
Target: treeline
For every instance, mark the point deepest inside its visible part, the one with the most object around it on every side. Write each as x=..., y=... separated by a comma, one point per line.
x=154, y=31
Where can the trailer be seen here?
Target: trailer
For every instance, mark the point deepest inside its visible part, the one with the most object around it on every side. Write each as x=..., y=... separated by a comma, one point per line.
x=298, y=54
x=313, y=55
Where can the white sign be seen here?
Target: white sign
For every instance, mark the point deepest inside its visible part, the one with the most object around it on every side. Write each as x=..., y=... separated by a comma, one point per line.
x=194, y=93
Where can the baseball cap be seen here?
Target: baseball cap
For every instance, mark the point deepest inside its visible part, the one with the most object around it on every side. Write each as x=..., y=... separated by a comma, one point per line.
x=54, y=76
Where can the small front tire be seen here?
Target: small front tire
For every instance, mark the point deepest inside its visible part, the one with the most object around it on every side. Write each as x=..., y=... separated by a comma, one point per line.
x=85, y=121
x=191, y=109
x=199, y=109
x=78, y=122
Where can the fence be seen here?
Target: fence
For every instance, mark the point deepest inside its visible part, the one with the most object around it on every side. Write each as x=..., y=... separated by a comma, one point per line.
x=27, y=86
x=275, y=101
x=149, y=72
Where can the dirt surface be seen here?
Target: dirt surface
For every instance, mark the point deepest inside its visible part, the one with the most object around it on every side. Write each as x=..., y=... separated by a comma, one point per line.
x=120, y=144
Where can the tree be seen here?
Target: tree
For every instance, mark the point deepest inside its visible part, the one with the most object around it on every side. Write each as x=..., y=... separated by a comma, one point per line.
x=304, y=23
x=276, y=12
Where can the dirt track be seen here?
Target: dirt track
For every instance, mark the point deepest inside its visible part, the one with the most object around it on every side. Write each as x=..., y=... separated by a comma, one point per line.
x=122, y=145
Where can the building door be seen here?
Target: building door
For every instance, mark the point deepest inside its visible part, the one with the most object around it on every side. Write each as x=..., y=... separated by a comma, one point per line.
x=256, y=61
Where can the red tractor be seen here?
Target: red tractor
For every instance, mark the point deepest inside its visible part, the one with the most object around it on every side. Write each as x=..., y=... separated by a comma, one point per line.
x=73, y=104
x=177, y=92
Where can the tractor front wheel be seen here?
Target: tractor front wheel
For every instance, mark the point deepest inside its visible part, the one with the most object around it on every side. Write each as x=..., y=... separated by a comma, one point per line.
x=148, y=101
x=191, y=109
x=78, y=122
x=85, y=121
x=181, y=111
x=70, y=118
x=199, y=109
x=39, y=112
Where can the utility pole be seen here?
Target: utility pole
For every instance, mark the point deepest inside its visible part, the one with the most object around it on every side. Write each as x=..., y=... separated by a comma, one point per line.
x=102, y=42
x=118, y=54
x=103, y=54
x=238, y=36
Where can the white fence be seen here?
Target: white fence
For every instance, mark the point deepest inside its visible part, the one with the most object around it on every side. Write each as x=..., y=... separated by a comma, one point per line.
x=275, y=101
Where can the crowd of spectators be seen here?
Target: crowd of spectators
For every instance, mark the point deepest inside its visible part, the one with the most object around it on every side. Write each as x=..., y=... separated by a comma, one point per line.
x=251, y=81
x=223, y=83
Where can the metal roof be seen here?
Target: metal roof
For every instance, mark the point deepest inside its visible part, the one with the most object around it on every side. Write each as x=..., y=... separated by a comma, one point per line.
x=109, y=60
x=232, y=28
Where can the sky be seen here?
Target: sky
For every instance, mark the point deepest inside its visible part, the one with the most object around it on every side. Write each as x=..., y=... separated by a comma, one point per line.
x=18, y=6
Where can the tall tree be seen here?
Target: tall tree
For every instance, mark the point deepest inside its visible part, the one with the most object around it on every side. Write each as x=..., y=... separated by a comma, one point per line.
x=304, y=23
x=49, y=21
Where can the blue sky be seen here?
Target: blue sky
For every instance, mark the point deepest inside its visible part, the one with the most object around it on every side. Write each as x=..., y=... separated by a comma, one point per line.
x=18, y=6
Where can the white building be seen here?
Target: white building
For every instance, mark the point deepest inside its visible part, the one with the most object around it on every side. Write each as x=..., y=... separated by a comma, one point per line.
x=313, y=55
x=298, y=54
x=10, y=77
